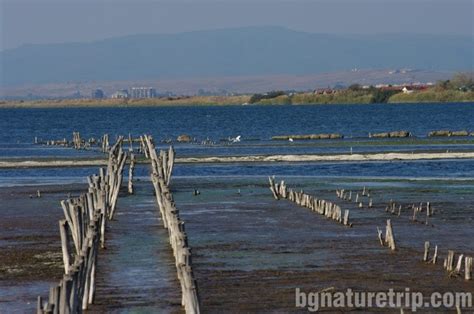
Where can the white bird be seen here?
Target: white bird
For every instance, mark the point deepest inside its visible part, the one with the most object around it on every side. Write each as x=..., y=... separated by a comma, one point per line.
x=237, y=139
x=290, y=139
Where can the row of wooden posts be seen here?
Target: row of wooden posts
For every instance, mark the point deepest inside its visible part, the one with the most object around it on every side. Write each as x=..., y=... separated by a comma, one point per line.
x=347, y=196
x=162, y=167
x=396, y=209
x=389, y=239
x=84, y=229
x=449, y=262
x=454, y=269
x=322, y=207
x=78, y=142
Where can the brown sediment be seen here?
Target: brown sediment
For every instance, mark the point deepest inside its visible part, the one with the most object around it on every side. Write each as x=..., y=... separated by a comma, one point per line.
x=29, y=241
x=30, y=263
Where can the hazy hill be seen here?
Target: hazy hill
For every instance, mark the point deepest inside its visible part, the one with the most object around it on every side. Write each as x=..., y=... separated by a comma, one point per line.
x=230, y=52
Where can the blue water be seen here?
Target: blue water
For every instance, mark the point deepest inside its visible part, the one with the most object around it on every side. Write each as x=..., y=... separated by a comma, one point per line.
x=261, y=122
x=256, y=125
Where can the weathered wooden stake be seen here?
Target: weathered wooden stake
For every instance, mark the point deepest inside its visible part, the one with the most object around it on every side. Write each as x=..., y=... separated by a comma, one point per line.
x=380, y=236
x=450, y=261
x=459, y=264
x=64, y=245
x=389, y=237
x=346, y=217
x=435, y=256
x=468, y=268
x=130, y=173
x=273, y=188
x=427, y=251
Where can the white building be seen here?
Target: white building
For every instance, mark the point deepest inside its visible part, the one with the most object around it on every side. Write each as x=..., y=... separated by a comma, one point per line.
x=407, y=90
x=142, y=92
x=120, y=94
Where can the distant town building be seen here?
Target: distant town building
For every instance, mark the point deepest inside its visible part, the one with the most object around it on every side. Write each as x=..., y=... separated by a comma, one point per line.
x=142, y=92
x=120, y=94
x=407, y=90
x=97, y=94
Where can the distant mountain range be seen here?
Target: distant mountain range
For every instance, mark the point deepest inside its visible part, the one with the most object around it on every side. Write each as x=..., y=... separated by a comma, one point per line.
x=251, y=51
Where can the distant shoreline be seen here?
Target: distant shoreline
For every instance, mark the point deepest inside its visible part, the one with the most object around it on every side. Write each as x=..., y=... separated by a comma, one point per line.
x=341, y=98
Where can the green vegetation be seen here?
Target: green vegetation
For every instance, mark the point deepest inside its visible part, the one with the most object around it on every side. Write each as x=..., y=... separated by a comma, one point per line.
x=165, y=101
x=460, y=82
x=458, y=89
x=433, y=95
x=339, y=97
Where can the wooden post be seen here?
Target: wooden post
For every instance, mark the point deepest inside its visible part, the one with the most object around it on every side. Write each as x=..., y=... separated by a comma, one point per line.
x=468, y=268
x=170, y=164
x=130, y=143
x=459, y=264
x=346, y=217
x=380, y=236
x=450, y=261
x=130, y=173
x=389, y=237
x=39, y=305
x=427, y=251
x=435, y=256
x=64, y=245
x=273, y=188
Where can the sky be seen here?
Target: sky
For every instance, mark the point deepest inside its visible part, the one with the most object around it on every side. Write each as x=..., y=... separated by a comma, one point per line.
x=55, y=21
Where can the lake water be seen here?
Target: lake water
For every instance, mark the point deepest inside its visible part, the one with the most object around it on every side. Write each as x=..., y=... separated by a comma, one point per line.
x=256, y=125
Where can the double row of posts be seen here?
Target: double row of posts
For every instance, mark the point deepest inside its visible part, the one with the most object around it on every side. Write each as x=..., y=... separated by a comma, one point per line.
x=162, y=167
x=82, y=232
x=322, y=207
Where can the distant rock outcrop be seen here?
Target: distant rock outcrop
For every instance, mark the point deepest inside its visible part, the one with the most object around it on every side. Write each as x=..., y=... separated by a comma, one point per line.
x=393, y=134
x=184, y=138
x=322, y=136
x=448, y=133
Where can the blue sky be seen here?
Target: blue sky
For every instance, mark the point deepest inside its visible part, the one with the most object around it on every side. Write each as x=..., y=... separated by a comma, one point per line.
x=46, y=21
